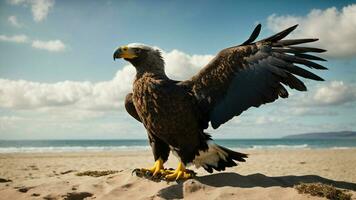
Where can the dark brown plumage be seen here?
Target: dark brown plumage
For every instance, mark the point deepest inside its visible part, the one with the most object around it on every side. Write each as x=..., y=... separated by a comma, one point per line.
x=176, y=113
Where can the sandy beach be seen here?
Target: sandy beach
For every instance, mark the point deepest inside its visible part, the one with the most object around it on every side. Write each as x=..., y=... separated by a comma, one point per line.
x=267, y=174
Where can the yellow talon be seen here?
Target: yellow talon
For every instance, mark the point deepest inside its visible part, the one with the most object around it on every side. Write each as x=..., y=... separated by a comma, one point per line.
x=154, y=172
x=179, y=173
x=158, y=173
x=169, y=171
x=157, y=167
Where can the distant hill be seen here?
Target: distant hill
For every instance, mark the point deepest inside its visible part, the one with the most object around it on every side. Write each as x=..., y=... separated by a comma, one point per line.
x=324, y=135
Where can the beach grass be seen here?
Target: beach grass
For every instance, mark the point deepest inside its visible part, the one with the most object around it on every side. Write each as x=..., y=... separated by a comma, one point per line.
x=96, y=173
x=323, y=190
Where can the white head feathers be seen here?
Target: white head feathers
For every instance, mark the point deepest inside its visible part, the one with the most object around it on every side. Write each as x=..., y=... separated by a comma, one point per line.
x=142, y=46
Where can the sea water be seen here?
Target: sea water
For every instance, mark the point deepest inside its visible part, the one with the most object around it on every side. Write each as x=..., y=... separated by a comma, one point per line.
x=13, y=146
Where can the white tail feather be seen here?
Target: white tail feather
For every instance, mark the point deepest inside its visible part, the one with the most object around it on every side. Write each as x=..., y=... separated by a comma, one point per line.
x=211, y=156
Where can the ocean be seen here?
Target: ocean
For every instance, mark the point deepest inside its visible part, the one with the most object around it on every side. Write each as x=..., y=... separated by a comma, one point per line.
x=28, y=146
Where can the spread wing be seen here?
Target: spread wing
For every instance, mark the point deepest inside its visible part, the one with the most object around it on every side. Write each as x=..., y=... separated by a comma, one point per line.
x=252, y=74
x=130, y=108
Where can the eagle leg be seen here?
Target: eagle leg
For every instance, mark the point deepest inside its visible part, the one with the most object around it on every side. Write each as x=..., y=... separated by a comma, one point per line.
x=180, y=173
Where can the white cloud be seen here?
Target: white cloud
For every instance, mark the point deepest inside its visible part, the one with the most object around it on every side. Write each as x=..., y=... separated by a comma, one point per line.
x=311, y=111
x=335, y=93
x=51, y=45
x=268, y=120
x=14, y=22
x=335, y=28
x=100, y=96
x=39, y=8
x=181, y=65
x=7, y=122
x=14, y=38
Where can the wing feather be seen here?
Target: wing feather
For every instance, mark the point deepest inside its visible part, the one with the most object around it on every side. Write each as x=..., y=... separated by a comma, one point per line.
x=130, y=107
x=283, y=43
x=254, y=35
x=253, y=74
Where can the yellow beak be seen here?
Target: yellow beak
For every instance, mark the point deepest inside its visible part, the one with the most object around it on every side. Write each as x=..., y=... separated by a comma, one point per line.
x=124, y=52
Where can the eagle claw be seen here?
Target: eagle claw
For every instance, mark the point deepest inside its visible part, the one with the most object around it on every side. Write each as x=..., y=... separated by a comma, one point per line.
x=158, y=172
x=181, y=173
x=155, y=173
x=145, y=173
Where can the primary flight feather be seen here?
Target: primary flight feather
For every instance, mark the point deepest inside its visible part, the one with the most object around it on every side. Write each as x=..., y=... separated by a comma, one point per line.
x=176, y=113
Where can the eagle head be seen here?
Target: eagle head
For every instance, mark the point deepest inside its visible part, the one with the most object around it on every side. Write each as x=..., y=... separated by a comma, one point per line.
x=143, y=57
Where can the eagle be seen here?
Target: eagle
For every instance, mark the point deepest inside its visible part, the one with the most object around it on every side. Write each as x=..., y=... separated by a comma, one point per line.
x=176, y=113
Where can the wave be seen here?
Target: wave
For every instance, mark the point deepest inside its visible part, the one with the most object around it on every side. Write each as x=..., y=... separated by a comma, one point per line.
x=301, y=146
x=343, y=147
x=142, y=147
x=69, y=149
x=280, y=146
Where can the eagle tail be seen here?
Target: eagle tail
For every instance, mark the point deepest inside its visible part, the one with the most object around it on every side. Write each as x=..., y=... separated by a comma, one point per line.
x=218, y=158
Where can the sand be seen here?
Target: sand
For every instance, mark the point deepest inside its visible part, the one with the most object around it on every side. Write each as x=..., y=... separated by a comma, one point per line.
x=267, y=174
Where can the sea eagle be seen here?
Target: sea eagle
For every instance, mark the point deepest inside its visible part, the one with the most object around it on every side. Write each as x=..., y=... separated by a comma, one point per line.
x=176, y=113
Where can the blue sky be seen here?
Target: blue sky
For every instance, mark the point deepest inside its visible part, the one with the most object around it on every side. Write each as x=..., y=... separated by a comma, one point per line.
x=62, y=52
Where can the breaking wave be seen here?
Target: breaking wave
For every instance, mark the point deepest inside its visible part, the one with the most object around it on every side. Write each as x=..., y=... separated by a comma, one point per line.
x=280, y=146
x=70, y=149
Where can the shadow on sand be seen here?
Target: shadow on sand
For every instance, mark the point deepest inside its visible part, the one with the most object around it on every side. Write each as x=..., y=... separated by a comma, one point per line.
x=253, y=180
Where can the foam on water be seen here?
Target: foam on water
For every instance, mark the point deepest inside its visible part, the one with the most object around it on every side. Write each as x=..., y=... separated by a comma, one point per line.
x=70, y=149
x=342, y=147
x=17, y=146
x=280, y=146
